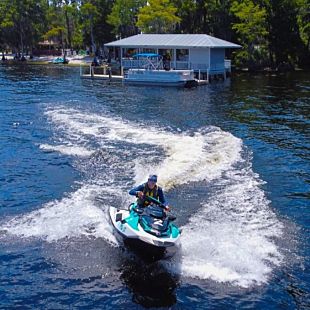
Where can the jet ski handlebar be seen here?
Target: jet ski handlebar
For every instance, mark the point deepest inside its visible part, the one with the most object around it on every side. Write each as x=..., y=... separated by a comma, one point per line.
x=157, y=202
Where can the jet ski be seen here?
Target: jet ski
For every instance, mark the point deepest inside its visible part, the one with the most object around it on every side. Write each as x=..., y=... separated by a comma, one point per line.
x=60, y=60
x=148, y=229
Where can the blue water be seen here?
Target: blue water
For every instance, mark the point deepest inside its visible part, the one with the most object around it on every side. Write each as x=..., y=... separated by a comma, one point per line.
x=233, y=158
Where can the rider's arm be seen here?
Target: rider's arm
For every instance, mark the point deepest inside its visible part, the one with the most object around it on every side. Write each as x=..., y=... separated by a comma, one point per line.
x=135, y=190
x=161, y=196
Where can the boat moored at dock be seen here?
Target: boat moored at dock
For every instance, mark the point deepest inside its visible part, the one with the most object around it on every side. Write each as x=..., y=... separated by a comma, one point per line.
x=156, y=72
x=177, y=78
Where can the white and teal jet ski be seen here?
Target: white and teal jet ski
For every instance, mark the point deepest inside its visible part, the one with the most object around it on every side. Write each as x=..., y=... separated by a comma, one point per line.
x=148, y=228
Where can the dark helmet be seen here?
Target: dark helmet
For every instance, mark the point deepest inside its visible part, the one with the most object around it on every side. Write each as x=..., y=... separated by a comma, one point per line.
x=153, y=178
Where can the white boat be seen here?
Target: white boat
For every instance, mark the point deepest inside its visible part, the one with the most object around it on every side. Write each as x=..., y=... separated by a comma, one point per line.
x=152, y=74
x=179, y=78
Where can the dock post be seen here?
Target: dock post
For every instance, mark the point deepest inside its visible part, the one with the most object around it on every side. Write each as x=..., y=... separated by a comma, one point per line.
x=91, y=69
x=110, y=74
x=199, y=74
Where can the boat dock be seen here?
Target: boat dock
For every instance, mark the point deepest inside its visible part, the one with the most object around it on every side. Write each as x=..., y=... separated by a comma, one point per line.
x=99, y=73
x=165, y=59
x=104, y=73
x=118, y=78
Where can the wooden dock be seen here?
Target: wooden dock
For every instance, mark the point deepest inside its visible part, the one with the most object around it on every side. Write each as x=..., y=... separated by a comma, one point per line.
x=202, y=82
x=100, y=73
x=118, y=78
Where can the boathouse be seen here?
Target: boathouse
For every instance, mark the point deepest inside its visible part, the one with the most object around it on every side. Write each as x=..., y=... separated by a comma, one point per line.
x=199, y=52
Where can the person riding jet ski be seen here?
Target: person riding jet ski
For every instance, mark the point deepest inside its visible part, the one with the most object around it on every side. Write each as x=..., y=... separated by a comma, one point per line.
x=149, y=189
x=145, y=223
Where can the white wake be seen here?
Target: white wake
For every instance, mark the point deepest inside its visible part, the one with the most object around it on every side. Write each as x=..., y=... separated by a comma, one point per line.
x=230, y=238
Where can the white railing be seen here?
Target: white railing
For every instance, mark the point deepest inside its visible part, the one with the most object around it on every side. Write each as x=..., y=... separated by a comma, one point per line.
x=199, y=67
x=180, y=65
x=227, y=63
x=139, y=63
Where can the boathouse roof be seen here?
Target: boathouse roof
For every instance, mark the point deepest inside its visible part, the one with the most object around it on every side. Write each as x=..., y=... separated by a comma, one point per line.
x=172, y=41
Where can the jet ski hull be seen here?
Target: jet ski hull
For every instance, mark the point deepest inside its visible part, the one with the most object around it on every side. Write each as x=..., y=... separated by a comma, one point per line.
x=127, y=225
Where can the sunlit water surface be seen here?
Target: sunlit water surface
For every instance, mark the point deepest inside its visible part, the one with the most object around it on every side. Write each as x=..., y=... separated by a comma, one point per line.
x=233, y=158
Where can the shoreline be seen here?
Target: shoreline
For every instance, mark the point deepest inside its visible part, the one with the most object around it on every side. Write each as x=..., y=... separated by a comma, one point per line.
x=47, y=60
x=85, y=61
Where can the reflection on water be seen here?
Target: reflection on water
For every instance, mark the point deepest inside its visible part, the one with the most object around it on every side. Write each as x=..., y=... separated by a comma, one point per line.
x=151, y=284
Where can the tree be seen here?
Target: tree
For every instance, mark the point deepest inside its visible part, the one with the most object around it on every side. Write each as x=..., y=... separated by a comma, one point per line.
x=123, y=17
x=186, y=12
x=70, y=14
x=251, y=28
x=303, y=19
x=158, y=16
x=56, y=23
x=220, y=18
x=3, y=38
x=284, y=37
x=64, y=23
x=271, y=31
x=23, y=22
x=103, y=31
x=89, y=13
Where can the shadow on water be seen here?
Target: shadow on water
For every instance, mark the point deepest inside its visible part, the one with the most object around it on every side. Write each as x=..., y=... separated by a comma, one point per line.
x=149, y=253
x=151, y=284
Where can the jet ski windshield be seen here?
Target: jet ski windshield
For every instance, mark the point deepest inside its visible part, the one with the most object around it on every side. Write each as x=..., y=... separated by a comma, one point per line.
x=154, y=211
x=154, y=221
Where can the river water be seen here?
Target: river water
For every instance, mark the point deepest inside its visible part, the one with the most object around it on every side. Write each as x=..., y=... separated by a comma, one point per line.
x=232, y=157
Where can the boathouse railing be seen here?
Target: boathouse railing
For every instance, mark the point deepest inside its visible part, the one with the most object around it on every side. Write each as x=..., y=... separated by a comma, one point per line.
x=180, y=65
x=137, y=63
x=140, y=63
x=227, y=63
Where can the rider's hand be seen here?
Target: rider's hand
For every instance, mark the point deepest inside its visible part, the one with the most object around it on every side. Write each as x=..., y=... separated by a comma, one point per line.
x=167, y=208
x=140, y=195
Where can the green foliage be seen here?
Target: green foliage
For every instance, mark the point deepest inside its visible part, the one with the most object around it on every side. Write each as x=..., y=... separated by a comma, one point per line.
x=77, y=38
x=304, y=21
x=56, y=23
x=251, y=28
x=212, y=17
x=252, y=21
x=187, y=11
x=54, y=32
x=124, y=15
x=89, y=15
x=271, y=32
x=22, y=22
x=158, y=16
x=89, y=10
x=103, y=32
x=285, y=43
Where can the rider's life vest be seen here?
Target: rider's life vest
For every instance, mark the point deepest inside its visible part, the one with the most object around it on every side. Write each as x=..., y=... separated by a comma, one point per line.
x=148, y=192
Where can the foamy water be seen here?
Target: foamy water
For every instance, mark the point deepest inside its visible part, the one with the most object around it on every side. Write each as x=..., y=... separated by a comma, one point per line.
x=197, y=157
x=73, y=216
x=68, y=150
x=230, y=238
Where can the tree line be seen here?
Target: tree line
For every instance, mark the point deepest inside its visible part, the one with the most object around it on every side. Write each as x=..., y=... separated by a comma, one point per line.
x=271, y=32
